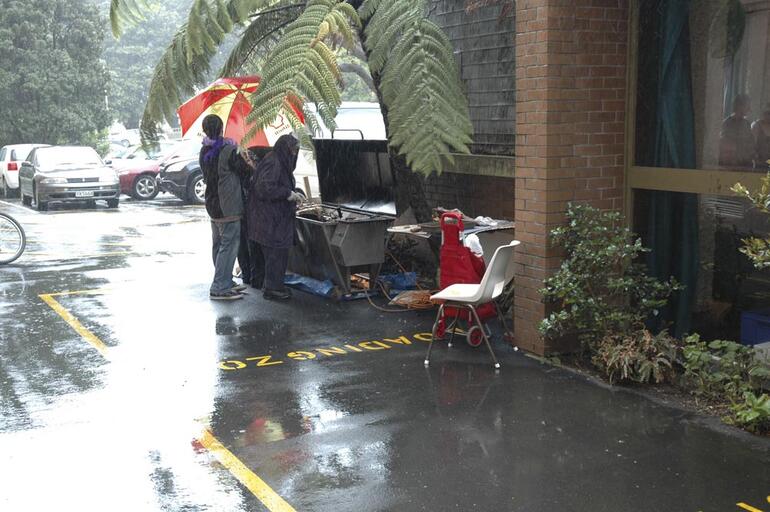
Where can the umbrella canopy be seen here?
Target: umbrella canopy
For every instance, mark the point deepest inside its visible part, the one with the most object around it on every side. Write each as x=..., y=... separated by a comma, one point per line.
x=229, y=99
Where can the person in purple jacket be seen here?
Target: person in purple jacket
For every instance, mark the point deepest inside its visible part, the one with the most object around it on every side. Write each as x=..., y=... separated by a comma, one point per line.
x=272, y=211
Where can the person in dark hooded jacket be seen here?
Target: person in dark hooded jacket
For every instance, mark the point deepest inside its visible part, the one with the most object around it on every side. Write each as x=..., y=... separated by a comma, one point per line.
x=271, y=213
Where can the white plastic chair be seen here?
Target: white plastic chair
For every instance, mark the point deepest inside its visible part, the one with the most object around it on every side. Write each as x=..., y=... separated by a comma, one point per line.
x=470, y=296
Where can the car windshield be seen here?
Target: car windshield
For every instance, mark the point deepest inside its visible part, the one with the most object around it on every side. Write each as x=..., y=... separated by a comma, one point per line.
x=64, y=157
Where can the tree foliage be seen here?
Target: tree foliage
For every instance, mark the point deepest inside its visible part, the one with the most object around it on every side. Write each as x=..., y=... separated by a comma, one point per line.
x=131, y=60
x=52, y=81
x=293, y=45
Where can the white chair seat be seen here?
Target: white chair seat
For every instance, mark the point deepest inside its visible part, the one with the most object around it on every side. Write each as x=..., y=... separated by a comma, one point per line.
x=458, y=293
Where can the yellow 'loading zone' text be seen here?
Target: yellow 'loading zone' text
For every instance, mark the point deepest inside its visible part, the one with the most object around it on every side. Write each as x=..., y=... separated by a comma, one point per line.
x=316, y=353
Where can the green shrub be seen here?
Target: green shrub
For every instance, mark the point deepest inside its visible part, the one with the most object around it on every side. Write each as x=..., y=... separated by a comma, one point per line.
x=721, y=370
x=600, y=290
x=753, y=413
x=638, y=356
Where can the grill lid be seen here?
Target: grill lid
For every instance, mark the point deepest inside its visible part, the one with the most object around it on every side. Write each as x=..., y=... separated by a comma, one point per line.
x=356, y=174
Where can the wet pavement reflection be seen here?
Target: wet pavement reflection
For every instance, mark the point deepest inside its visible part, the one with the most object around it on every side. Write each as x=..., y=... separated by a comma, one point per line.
x=328, y=404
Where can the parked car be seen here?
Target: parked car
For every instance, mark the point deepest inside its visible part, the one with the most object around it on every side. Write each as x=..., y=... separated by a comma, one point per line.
x=183, y=177
x=133, y=154
x=11, y=158
x=66, y=174
x=137, y=176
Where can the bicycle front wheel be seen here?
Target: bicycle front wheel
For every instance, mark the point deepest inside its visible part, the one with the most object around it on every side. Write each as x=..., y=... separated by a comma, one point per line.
x=12, y=239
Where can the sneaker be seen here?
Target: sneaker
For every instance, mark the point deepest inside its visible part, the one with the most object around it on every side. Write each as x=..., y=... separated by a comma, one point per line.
x=276, y=295
x=239, y=287
x=228, y=295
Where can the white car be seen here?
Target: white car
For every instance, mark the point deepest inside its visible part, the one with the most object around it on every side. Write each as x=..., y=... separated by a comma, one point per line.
x=11, y=158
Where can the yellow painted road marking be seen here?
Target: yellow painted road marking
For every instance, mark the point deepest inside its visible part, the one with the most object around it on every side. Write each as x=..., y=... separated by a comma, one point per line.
x=68, y=317
x=256, y=485
x=97, y=291
x=748, y=507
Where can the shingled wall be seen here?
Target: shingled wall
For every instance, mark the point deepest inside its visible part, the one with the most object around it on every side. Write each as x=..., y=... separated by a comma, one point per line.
x=485, y=51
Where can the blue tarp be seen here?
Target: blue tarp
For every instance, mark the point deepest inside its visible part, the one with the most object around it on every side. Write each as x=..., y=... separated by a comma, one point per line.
x=396, y=282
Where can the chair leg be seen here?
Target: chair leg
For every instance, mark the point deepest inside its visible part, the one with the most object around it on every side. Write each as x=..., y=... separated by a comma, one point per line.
x=506, y=331
x=484, y=334
x=454, y=326
x=502, y=318
x=433, y=333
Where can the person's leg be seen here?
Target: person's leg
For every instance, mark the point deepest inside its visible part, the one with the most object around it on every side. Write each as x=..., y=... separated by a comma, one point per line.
x=244, y=261
x=228, y=251
x=276, y=261
x=257, y=265
x=216, y=238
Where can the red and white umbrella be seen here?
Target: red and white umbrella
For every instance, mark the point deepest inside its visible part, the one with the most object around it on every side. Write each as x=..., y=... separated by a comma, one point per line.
x=229, y=99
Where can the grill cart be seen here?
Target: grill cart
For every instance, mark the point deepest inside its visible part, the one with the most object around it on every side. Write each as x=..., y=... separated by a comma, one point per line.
x=346, y=233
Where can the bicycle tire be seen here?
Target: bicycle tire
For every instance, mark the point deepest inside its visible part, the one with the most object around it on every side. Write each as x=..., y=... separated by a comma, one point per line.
x=10, y=225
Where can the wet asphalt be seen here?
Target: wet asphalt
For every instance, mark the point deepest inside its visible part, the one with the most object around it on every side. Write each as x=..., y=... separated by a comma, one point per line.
x=124, y=388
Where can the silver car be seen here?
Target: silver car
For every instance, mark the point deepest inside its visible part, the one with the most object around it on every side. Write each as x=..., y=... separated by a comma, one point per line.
x=67, y=173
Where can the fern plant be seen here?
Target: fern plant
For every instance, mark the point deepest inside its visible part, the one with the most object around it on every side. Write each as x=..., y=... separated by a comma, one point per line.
x=293, y=44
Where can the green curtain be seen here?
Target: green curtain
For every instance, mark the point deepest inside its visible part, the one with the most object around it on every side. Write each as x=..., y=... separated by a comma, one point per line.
x=673, y=216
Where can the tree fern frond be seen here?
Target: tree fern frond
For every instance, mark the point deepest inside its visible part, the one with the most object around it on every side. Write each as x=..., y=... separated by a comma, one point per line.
x=302, y=65
x=126, y=13
x=368, y=8
x=261, y=35
x=185, y=64
x=389, y=38
x=428, y=116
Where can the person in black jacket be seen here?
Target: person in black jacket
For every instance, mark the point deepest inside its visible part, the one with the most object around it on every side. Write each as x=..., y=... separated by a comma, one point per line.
x=223, y=168
x=272, y=213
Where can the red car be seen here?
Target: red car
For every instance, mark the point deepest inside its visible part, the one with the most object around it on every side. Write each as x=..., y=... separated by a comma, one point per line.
x=137, y=179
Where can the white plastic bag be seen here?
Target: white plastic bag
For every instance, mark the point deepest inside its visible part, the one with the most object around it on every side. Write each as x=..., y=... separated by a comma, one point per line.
x=472, y=242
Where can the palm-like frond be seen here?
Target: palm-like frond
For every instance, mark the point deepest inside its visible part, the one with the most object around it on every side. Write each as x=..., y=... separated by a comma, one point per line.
x=302, y=67
x=185, y=63
x=428, y=116
x=126, y=13
x=261, y=35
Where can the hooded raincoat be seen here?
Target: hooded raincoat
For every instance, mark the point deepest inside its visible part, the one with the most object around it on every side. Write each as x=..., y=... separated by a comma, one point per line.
x=271, y=216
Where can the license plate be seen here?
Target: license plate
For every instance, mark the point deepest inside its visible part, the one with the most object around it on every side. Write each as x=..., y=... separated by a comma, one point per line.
x=84, y=193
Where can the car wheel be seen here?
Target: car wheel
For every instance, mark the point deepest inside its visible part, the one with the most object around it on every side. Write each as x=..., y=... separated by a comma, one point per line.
x=196, y=190
x=26, y=200
x=40, y=205
x=113, y=203
x=145, y=188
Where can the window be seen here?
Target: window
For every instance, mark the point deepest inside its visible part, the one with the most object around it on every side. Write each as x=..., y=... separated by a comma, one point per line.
x=703, y=85
x=700, y=115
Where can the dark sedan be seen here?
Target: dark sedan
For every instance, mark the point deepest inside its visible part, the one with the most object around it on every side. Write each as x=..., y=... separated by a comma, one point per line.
x=183, y=178
x=66, y=174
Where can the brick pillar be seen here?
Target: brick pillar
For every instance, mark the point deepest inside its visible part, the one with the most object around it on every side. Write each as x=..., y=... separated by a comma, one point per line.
x=570, y=132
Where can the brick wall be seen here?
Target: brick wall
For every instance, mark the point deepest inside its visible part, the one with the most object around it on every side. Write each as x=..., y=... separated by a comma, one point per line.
x=570, y=131
x=489, y=196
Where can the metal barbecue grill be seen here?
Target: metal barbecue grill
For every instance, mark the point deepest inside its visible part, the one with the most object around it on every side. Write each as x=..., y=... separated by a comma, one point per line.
x=346, y=234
